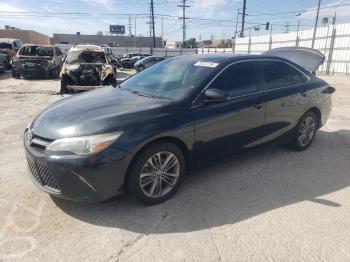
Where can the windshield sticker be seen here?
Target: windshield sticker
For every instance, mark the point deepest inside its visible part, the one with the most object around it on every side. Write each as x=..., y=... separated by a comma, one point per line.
x=206, y=64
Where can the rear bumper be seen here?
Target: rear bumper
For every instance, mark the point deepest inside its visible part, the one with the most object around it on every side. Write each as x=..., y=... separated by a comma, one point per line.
x=326, y=108
x=78, y=178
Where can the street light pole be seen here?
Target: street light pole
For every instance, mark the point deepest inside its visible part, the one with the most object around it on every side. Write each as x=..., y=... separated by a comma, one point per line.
x=315, y=28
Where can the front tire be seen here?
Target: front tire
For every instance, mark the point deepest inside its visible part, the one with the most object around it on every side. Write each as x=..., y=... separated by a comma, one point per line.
x=156, y=173
x=64, y=89
x=305, y=132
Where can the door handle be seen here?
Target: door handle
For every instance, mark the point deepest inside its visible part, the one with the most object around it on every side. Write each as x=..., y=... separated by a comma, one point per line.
x=303, y=93
x=258, y=105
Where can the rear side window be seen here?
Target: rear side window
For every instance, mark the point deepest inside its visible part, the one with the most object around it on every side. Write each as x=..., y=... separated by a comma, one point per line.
x=239, y=79
x=278, y=74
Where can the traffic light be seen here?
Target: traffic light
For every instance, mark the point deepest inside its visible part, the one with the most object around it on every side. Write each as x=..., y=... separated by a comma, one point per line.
x=267, y=26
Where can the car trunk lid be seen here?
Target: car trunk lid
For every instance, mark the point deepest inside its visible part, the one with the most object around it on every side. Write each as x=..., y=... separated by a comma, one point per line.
x=308, y=58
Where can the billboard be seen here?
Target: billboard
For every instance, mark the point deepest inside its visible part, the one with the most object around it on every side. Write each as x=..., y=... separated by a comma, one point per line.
x=117, y=29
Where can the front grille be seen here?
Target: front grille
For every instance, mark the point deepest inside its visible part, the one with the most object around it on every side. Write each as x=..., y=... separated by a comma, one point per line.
x=43, y=175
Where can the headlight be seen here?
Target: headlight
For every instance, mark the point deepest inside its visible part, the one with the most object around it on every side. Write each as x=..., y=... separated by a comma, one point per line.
x=84, y=145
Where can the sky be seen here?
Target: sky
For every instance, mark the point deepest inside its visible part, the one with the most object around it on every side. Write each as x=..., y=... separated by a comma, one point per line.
x=207, y=18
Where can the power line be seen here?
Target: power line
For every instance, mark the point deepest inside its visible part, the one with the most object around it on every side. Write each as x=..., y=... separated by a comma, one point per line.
x=299, y=11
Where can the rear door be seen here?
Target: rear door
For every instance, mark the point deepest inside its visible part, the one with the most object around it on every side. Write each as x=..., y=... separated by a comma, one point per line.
x=287, y=96
x=224, y=128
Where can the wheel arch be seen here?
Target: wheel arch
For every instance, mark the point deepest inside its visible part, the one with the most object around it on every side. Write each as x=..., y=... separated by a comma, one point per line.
x=170, y=139
x=317, y=112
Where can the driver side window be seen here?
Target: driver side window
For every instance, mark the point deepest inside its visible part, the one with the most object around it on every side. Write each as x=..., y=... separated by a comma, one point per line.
x=238, y=79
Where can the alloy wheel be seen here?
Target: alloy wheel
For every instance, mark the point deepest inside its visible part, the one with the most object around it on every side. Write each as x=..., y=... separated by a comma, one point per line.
x=159, y=174
x=307, y=130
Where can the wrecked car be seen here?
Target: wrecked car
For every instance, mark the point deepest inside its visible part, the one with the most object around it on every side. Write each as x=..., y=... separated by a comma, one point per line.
x=3, y=63
x=37, y=61
x=86, y=67
x=8, y=49
x=115, y=61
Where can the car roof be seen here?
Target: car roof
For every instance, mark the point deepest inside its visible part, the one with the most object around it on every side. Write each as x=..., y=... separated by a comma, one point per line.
x=86, y=47
x=7, y=40
x=37, y=45
x=222, y=59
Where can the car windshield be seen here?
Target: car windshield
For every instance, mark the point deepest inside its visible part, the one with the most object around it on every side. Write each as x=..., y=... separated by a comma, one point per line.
x=5, y=46
x=86, y=56
x=36, y=51
x=171, y=79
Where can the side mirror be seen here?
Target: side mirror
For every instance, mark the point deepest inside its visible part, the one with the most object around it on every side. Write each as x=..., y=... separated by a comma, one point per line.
x=215, y=96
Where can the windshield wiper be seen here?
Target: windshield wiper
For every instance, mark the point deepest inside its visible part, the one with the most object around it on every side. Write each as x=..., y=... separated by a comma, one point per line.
x=139, y=93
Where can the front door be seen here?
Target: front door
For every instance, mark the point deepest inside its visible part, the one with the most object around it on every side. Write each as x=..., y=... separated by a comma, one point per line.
x=224, y=128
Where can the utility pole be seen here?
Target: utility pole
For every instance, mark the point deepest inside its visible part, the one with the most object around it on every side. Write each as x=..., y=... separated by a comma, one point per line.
x=243, y=17
x=315, y=28
x=287, y=27
x=135, y=26
x=153, y=30
x=183, y=6
x=162, y=26
x=135, y=41
x=150, y=22
x=129, y=26
x=236, y=23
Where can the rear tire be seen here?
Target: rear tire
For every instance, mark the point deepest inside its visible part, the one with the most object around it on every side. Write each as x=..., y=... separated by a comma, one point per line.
x=305, y=132
x=55, y=73
x=156, y=173
x=15, y=74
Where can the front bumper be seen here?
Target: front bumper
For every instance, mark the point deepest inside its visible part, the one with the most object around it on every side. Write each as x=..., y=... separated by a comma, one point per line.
x=78, y=178
x=83, y=88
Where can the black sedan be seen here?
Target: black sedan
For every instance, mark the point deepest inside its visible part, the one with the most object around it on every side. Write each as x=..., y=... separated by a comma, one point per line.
x=146, y=134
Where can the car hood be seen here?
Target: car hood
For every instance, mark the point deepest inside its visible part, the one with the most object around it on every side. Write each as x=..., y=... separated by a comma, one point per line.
x=101, y=111
x=308, y=58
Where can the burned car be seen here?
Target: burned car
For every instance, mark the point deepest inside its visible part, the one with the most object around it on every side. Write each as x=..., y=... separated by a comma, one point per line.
x=86, y=67
x=37, y=61
x=8, y=49
x=115, y=61
x=3, y=63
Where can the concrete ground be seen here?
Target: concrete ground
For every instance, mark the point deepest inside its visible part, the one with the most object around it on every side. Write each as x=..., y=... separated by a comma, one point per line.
x=267, y=205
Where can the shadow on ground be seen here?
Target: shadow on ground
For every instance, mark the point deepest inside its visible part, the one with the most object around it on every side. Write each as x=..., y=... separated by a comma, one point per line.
x=5, y=75
x=234, y=190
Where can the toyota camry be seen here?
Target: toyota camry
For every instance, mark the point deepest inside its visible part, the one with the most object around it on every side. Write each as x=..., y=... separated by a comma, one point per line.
x=144, y=135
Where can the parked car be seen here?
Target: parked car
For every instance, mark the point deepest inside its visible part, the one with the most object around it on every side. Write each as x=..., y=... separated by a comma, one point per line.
x=130, y=55
x=176, y=115
x=9, y=48
x=115, y=62
x=37, y=61
x=86, y=67
x=129, y=62
x=147, y=62
x=3, y=63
